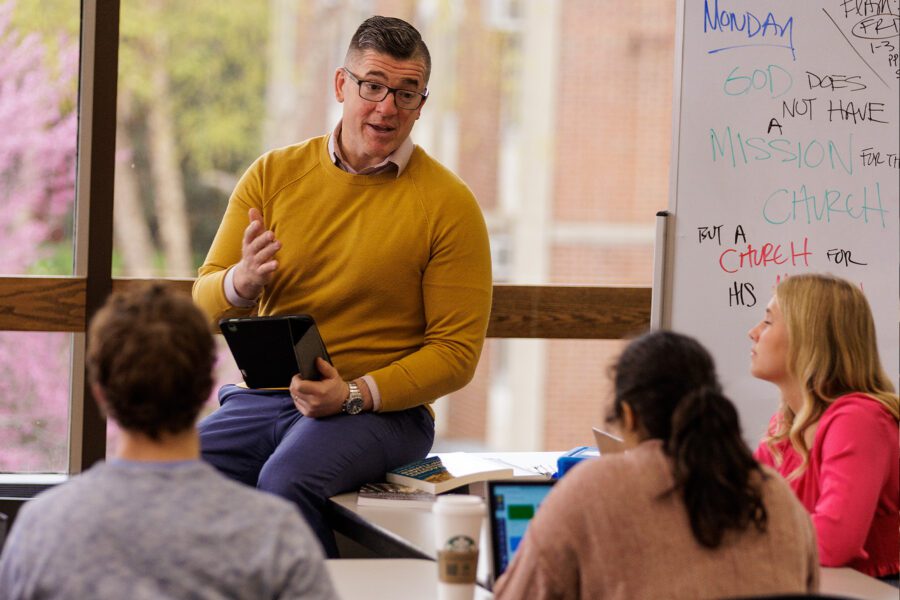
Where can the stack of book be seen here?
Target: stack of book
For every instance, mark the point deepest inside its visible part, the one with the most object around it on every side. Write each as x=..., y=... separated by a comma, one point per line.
x=392, y=494
x=417, y=483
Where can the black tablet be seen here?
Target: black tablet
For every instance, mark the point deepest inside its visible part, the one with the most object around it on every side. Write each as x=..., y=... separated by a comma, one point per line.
x=269, y=351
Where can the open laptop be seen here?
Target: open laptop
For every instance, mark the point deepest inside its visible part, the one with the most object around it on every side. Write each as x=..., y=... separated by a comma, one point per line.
x=512, y=506
x=607, y=443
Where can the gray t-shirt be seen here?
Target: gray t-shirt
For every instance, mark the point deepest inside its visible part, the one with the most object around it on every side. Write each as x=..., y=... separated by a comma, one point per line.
x=160, y=530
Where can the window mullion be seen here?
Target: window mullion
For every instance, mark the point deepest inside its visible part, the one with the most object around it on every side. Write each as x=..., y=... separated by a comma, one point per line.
x=93, y=209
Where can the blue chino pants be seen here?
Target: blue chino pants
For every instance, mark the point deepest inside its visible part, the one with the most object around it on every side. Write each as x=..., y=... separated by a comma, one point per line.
x=260, y=438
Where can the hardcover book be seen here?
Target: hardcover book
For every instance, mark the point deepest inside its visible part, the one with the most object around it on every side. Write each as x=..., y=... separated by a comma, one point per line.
x=393, y=495
x=438, y=474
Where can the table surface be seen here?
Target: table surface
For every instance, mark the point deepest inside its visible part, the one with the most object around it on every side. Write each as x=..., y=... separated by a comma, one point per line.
x=409, y=532
x=377, y=579
x=388, y=579
x=853, y=584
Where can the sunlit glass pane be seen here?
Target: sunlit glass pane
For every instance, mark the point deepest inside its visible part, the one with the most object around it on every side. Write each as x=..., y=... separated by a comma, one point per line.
x=191, y=117
x=39, y=121
x=34, y=401
x=39, y=56
x=591, y=222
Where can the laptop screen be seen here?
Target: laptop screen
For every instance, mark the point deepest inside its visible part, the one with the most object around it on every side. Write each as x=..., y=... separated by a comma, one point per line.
x=513, y=505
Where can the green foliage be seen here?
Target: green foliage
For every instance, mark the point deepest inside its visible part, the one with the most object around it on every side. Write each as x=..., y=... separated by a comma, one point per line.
x=215, y=54
x=49, y=18
x=57, y=22
x=57, y=260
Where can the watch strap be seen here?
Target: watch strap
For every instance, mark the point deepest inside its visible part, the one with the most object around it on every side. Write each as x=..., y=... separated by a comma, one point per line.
x=353, y=405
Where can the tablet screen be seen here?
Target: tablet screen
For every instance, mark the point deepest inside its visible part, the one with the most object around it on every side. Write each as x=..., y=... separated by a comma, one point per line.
x=269, y=351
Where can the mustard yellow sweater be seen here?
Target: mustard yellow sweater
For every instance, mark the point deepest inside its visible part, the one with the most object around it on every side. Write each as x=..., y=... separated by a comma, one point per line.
x=396, y=271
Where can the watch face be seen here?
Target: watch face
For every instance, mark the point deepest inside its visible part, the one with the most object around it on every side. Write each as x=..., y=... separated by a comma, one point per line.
x=353, y=406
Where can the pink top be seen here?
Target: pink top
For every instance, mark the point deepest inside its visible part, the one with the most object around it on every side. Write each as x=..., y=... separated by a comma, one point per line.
x=851, y=486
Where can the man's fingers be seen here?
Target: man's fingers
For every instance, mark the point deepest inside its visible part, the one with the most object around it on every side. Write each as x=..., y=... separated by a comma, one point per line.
x=260, y=242
x=257, y=257
x=308, y=387
x=252, y=231
x=266, y=252
x=257, y=237
x=266, y=268
x=301, y=404
x=326, y=368
x=319, y=398
x=309, y=406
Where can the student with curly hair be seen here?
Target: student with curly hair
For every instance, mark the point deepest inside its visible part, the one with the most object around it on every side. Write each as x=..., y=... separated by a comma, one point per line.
x=156, y=521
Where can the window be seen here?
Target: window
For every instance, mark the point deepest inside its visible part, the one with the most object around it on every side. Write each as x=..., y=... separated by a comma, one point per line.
x=553, y=132
x=34, y=401
x=39, y=57
x=557, y=115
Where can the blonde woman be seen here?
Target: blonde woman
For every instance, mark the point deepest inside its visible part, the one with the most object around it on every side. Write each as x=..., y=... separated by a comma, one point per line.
x=835, y=436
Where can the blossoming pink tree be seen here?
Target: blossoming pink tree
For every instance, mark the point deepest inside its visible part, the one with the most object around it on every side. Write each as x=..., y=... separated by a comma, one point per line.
x=38, y=126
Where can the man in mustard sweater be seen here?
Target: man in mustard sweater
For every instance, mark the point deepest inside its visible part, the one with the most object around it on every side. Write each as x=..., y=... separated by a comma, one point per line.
x=387, y=250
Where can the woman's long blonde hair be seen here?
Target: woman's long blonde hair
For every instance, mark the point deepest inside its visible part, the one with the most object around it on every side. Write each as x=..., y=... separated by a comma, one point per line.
x=832, y=351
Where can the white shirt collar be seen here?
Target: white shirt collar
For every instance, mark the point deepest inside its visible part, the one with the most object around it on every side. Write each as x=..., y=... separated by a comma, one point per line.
x=399, y=158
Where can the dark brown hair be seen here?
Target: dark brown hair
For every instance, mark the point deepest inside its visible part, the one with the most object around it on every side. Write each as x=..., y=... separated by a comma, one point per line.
x=151, y=351
x=669, y=381
x=391, y=36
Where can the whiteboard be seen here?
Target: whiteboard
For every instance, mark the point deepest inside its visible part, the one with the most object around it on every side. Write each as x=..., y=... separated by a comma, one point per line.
x=785, y=160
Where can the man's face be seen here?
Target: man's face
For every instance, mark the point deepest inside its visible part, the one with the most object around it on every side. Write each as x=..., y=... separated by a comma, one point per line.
x=372, y=130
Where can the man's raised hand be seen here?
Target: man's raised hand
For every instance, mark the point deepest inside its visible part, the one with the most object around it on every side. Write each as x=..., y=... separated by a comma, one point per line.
x=257, y=265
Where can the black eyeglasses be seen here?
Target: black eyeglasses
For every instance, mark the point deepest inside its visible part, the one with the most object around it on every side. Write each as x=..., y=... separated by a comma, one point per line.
x=376, y=92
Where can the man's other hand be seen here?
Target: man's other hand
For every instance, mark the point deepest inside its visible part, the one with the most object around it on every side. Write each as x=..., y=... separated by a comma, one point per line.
x=320, y=398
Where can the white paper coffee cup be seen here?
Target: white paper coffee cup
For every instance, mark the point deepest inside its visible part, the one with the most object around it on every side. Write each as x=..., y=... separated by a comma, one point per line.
x=457, y=527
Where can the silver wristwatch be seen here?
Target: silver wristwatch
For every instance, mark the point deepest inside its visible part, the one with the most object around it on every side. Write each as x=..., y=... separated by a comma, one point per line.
x=353, y=405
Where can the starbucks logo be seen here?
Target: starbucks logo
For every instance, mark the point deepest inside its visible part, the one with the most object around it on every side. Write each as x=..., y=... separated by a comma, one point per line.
x=460, y=543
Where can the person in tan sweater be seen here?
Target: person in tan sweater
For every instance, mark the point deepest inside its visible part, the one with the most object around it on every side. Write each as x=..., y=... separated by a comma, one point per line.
x=686, y=512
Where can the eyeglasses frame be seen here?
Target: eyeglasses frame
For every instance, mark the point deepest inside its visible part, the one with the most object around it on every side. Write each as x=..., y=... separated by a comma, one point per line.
x=390, y=90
